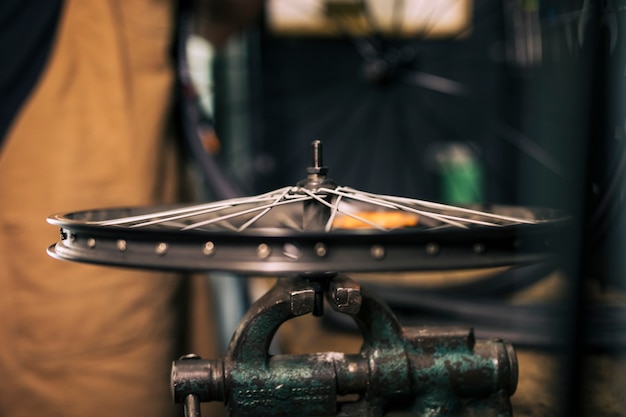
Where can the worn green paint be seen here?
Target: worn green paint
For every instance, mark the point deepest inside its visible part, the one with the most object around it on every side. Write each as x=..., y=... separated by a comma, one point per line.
x=425, y=372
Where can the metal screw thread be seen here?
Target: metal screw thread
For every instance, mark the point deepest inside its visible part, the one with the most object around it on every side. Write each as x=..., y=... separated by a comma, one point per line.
x=317, y=161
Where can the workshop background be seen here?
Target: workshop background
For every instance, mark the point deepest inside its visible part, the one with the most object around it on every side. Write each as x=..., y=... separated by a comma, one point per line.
x=502, y=101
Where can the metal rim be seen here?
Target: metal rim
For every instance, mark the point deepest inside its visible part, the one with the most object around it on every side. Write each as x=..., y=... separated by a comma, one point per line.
x=252, y=236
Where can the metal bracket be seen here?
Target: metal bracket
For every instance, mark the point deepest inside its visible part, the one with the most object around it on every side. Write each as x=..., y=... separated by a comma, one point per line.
x=398, y=372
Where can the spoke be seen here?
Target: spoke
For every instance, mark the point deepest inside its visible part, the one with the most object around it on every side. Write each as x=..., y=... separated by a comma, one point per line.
x=431, y=22
x=329, y=225
x=440, y=206
x=509, y=219
x=333, y=214
x=179, y=216
x=263, y=213
x=436, y=216
x=340, y=200
x=435, y=83
x=175, y=214
x=316, y=197
x=332, y=207
x=371, y=20
x=356, y=195
x=242, y=213
x=397, y=17
x=528, y=146
x=165, y=216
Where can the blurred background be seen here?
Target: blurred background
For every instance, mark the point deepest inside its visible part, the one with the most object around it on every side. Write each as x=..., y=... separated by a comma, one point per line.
x=518, y=102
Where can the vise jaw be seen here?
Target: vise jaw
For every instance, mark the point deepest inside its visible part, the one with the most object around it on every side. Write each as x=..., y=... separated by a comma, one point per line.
x=425, y=372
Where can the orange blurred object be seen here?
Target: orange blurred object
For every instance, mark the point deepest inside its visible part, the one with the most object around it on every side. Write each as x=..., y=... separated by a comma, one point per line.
x=386, y=219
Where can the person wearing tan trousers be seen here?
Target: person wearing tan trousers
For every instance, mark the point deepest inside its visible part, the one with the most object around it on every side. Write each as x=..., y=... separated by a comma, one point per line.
x=93, y=131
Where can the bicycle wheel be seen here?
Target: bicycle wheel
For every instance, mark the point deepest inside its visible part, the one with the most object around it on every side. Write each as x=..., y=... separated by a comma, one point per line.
x=404, y=104
x=314, y=227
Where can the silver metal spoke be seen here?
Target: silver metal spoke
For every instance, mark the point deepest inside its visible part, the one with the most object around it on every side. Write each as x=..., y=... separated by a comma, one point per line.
x=240, y=213
x=188, y=211
x=333, y=214
x=452, y=220
x=336, y=208
x=434, y=83
x=343, y=201
x=382, y=203
x=441, y=206
x=263, y=213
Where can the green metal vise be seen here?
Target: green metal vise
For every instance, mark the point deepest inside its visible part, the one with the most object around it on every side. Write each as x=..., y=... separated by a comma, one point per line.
x=399, y=371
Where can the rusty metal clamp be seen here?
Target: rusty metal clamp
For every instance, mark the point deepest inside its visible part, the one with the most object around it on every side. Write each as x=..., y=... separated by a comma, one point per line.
x=410, y=371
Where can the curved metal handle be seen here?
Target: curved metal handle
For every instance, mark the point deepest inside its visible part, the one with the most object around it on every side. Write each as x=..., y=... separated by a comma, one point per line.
x=192, y=406
x=289, y=298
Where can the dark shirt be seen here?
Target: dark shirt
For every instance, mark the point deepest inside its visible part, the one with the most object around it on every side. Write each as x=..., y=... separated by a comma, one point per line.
x=26, y=38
